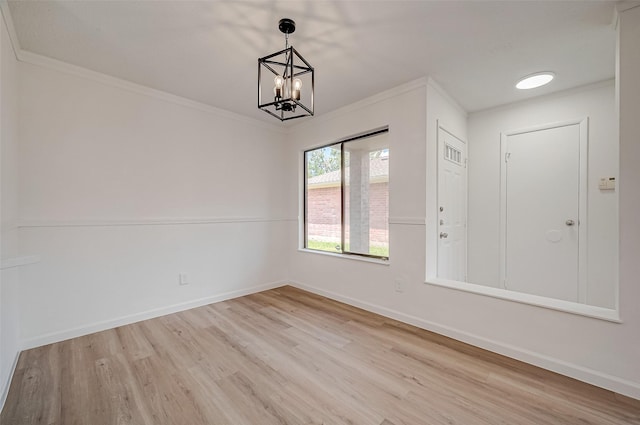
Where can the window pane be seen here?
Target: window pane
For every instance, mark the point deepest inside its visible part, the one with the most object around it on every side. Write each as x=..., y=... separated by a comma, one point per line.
x=366, y=197
x=323, y=205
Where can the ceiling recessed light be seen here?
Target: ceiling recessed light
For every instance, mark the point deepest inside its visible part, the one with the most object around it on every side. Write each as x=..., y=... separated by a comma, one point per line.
x=535, y=80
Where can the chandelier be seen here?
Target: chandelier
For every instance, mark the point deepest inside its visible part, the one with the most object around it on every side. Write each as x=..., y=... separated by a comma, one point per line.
x=285, y=80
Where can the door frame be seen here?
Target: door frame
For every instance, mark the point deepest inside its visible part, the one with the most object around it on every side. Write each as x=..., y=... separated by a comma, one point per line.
x=583, y=124
x=439, y=159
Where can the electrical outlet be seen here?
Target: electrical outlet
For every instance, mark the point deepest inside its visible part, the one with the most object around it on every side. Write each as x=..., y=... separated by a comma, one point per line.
x=182, y=279
x=399, y=285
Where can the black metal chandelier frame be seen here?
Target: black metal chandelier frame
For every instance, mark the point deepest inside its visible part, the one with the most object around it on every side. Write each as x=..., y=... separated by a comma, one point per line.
x=285, y=105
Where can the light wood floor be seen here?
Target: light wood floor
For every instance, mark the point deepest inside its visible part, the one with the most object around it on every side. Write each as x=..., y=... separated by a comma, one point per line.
x=289, y=357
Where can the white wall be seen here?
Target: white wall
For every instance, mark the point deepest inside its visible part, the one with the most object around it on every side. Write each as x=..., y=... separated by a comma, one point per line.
x=9, y=312
x=627, y=335
x=597, y=351
x=597, y=102
x=403, y=111
x=123, y=189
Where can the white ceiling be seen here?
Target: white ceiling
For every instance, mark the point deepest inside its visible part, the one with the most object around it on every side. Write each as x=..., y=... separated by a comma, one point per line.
x=207, y=50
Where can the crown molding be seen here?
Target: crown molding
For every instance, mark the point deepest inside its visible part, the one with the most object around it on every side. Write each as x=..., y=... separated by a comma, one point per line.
x=622, y=6
x=442, y=92
x=8, y=263
x=550, y=96
x=360, y=104
x=11, y=29
x=78, y=71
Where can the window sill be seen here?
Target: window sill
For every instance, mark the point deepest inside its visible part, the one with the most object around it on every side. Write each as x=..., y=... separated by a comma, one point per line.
x=346, y=256
x=601, y=313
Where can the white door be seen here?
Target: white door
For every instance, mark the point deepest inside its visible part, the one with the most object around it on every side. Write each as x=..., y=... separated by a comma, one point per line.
x=452, y=207
x=541, y=194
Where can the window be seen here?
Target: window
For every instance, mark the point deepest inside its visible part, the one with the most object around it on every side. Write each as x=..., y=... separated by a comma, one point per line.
x=346, y=202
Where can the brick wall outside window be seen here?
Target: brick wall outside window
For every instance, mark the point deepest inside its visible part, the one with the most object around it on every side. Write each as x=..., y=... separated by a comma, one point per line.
x=323, y=213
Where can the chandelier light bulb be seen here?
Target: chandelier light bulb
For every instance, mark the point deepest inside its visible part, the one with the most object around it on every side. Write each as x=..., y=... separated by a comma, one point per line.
x=279, y=82
x=297, y=85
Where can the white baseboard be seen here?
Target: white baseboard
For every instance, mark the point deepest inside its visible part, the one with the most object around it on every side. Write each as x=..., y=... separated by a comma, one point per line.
x=594, y=377
x=58, y=336
x=7, y=384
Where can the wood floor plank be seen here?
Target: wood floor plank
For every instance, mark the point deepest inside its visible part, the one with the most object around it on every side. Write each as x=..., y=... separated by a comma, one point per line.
x=133, y=342
x=289, y=357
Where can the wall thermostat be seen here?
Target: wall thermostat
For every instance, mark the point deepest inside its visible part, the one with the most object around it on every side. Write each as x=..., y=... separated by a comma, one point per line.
x=607, y=183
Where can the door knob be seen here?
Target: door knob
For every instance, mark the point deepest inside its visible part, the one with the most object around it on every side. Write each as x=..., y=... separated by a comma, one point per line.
x=443, y=235
x=569, y=222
